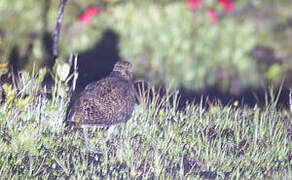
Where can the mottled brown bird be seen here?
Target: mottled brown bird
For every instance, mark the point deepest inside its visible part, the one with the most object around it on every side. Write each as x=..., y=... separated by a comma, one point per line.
x=106, y=102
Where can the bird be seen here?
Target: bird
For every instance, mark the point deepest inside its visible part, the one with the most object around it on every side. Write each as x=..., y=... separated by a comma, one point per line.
x=105, y=103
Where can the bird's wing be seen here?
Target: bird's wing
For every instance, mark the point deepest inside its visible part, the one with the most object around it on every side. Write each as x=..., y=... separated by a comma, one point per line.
x=93, y=85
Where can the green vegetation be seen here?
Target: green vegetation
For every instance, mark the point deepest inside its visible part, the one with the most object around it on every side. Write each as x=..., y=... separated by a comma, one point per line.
x=163, y=38
x=167, y=43
x=159, y=36
x=158, y=141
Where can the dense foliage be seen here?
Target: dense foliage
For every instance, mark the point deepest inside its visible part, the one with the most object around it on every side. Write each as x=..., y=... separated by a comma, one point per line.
x=192, y=43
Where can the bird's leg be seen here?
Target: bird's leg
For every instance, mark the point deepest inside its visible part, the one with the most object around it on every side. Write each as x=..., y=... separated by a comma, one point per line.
x=87, y=148
x=111, y=133
x=85, y=133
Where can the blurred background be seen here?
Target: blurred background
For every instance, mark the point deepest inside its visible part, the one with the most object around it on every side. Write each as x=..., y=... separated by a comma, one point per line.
x=225, y=49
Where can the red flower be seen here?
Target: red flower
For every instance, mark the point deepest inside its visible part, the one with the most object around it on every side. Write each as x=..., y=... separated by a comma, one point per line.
x=85, y=17
x=228, y=5
x=212, y=14
x=193, y=4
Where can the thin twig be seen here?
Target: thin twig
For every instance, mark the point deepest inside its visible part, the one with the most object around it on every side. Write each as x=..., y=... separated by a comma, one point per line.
x=75, y=72
x=58, y=28
x=290, y=100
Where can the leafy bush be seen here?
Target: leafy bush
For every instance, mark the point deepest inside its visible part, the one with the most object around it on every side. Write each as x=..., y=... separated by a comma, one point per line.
x=169, y=44
x=166, y=41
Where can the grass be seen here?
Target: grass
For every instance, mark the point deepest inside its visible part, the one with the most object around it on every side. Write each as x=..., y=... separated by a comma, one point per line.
x=158, y=142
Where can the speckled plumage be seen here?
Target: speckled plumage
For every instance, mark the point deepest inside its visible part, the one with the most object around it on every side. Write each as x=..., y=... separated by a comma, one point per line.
x=108, y=101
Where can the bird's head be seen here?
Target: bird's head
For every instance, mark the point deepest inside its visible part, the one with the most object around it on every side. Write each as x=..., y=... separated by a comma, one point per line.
x=124, y=68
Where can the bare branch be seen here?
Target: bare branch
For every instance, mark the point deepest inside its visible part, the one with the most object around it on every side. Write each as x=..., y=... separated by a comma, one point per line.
x=58, y=28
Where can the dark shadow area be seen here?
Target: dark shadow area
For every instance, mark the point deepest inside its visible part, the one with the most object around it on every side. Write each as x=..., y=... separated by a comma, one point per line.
x=13, y=60
x=213, y=95
x=47, y=43
x=48, y=58
x=16, y=62
x=280, y=27
x=97, y=62
x=249, y=97
x=265, y=55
